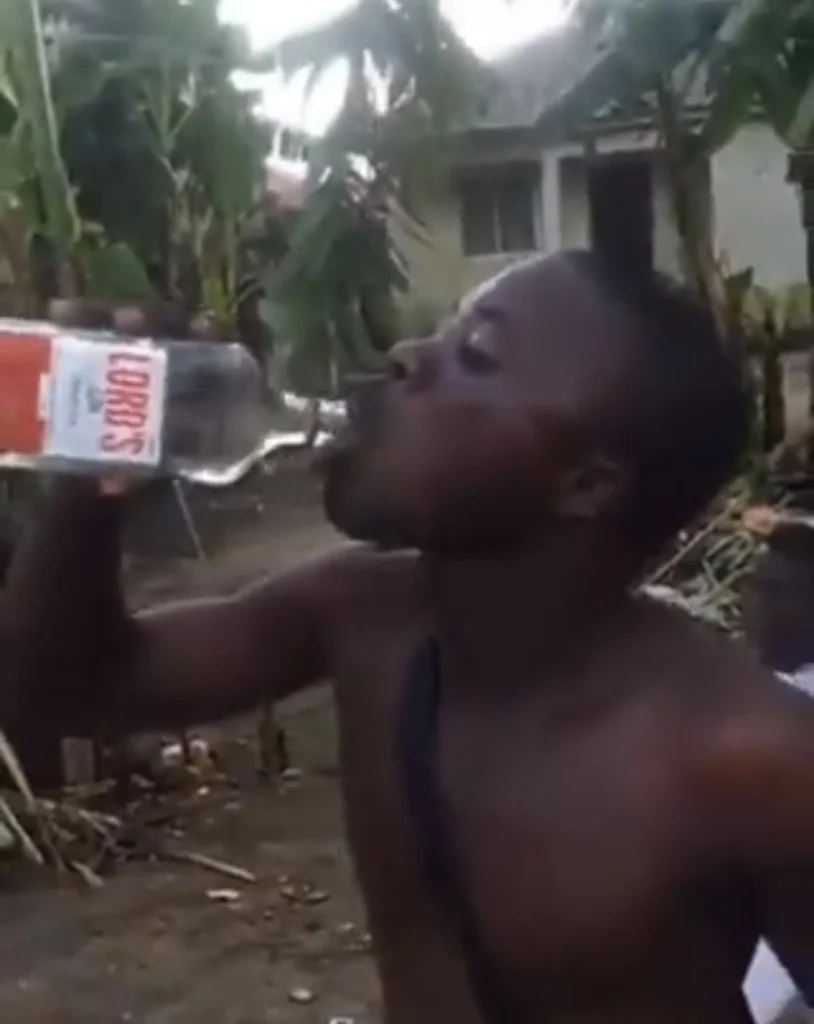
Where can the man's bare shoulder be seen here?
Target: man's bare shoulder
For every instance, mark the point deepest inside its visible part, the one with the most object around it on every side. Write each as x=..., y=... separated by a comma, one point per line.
x=323, y=592
x=750, y=733
x=348, y=571
x=718, y=672
x=346, y=584
x=359, y=573
x=368, y=597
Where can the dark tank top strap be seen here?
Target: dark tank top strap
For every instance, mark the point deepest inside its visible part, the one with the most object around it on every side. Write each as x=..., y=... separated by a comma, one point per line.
x=417, y=750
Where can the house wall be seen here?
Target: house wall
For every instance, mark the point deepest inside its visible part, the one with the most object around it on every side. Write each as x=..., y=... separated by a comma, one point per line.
x=756, y=211
x=756, y=217
x=440, y=272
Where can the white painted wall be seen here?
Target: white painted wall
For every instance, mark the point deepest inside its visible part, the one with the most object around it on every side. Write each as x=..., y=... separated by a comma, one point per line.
x=574, y=227
x=756, y=211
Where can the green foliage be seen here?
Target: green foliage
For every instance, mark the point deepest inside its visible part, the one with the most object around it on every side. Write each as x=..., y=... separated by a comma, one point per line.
x=163, y=153
x=115, y=272
x=755, y=59
x=169, y=127
x=408, y=45
x=131, y=166
x=410, y=78
x=33, y=140
x=762, y=64
x=332, y=297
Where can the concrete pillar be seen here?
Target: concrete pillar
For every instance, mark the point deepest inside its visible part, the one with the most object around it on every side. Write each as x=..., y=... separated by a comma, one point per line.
x=551, y=236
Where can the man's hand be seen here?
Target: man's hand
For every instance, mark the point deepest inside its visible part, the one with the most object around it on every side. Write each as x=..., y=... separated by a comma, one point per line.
x=156, y=320
x=81, y=660
x=152, y=320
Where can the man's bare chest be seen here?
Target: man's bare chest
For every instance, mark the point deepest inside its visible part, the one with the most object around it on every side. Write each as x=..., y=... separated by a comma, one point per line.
x=574, y=838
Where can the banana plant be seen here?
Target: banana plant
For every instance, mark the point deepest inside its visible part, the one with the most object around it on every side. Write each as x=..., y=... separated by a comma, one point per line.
x=761, y=64
x=163, y=152
x=408, y=47
x=409, y=79
x=50, y=248
x=33, y=142
x=768, y=318
x=332, y=298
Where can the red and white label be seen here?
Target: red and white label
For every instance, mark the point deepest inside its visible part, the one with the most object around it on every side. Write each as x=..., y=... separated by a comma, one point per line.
x=104, y=401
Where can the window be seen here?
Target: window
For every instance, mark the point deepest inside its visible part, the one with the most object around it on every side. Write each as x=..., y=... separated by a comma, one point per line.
x=499, y=209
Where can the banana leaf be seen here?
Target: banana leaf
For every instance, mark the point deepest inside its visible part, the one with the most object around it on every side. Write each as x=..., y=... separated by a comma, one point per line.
x=28, y=69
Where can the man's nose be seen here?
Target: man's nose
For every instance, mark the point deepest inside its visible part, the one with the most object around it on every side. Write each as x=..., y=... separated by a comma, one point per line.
x=413, y=361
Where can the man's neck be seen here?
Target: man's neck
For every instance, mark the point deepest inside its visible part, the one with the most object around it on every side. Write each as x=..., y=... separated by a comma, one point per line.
x=508, y=620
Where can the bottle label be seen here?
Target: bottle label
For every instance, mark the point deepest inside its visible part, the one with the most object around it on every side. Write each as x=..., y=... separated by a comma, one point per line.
x=105, y=401
x=25, y=360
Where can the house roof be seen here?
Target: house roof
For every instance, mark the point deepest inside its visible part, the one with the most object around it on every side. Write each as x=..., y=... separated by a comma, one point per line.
x=530, y=79
x=571, y=73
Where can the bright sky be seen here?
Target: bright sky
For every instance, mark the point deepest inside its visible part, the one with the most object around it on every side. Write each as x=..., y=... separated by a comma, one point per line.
x=490, y=27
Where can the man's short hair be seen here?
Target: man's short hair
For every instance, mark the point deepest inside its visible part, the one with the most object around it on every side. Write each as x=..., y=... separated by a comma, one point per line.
x=684, y=421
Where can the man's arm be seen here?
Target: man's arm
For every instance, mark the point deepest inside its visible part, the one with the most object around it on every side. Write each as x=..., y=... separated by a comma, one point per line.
x=77, y=658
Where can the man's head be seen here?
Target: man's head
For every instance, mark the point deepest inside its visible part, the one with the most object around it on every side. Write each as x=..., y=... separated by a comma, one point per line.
x=564, y=396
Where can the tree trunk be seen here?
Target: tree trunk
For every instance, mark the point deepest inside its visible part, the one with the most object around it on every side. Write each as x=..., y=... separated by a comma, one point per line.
x=690, y=208
x=809, y=229
x=773, y=402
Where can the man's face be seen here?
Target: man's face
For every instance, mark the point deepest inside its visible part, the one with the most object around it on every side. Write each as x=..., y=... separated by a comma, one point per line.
x=466, y=446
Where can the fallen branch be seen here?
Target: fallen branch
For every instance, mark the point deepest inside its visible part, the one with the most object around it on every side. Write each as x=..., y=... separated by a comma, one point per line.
x=201, y=860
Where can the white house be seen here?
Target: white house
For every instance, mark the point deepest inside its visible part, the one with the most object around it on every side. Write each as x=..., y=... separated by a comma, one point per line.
x=528, y=180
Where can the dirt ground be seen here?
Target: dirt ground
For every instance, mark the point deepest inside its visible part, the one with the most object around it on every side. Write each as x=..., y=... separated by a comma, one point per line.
x=159, y=944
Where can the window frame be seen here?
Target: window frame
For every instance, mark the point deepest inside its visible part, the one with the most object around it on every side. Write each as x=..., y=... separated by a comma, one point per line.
x=493, y=181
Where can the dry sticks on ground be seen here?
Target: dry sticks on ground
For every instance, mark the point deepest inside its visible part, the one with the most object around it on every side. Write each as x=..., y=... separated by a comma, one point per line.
x=704, y=572
x=69, y=834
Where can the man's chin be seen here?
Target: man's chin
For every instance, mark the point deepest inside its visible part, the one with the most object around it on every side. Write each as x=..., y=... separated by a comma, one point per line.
x=360, y=520
x=365, y=525
x=357, y=503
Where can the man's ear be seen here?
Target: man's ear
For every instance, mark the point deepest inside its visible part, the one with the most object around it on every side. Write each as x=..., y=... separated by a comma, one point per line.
x=594, y=488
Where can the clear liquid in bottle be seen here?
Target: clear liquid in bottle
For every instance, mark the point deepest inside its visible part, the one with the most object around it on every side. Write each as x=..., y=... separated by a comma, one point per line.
x=94, y=402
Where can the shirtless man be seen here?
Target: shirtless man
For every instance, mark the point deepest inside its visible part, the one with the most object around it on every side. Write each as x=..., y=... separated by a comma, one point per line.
x=632, y=797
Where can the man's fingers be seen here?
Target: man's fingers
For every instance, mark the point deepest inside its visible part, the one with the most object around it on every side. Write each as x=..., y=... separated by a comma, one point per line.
x=131, y=320
x=115, y=487
x=78, y=313
x=168, y=320
x=204, y=328
x=159, y=319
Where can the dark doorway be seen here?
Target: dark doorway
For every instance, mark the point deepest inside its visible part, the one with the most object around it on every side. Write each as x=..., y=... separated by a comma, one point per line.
x=620, y=198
